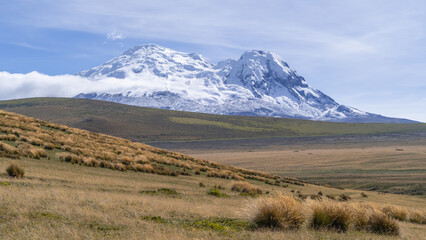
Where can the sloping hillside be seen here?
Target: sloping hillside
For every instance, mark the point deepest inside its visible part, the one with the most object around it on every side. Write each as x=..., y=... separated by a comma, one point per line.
x=147, y=124
x=22, y=136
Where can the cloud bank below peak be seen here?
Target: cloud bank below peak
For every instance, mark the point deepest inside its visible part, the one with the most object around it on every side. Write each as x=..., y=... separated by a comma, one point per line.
x=35, y=84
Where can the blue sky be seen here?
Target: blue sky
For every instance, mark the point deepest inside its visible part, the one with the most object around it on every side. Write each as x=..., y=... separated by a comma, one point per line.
x=365, y=54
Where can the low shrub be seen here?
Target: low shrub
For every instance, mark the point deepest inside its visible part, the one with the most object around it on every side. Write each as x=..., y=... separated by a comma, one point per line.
x=331, y=216
x=15, y=171
x=279, y=212
x=201, y=184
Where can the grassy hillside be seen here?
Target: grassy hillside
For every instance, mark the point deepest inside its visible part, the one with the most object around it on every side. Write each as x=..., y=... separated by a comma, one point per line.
x=146, y=124
x=82, y=185
x=22, y=136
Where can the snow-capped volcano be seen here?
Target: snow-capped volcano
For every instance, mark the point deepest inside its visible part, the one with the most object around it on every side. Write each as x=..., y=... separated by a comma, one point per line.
x=258, y=83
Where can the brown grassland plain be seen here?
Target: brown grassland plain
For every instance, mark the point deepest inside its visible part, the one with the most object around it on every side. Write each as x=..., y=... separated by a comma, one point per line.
x=387, y=168
x=57, y=200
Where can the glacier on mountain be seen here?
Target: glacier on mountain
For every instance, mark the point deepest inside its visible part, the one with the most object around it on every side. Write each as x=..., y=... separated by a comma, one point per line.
x=259, y=83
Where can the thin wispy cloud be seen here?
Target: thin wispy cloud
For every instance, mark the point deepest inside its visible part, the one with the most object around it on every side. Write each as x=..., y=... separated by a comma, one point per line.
x=115, y=36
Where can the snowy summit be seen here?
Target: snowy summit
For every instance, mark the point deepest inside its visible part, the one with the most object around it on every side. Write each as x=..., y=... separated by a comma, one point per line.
x=259, y=83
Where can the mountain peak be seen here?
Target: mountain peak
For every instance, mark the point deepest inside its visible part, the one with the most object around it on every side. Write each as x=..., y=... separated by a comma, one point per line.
x=145, y=47
x=153, y=58
x=259, y=83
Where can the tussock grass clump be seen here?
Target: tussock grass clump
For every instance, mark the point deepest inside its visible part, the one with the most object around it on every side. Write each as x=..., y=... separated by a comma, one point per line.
x=120, y=167
x=360, y=215
x=35, y=141
x=69, y=157
x=201, y=184
x=395, y=212
x=90, y=162
x=331, y=216
x=7, y=149
x=49, y=146
x=15, y=171
x=380, y=223
x=30, y=151
x=416, y=216
x=9, y=137
x=148, y=168
x=247, y=188
x=279, y=212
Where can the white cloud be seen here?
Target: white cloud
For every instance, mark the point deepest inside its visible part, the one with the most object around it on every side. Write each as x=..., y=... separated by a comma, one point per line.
x=34, y=84
x=115, y=36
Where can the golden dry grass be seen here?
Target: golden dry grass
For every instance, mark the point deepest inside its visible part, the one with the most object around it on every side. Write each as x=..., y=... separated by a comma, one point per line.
x=28, y=137
x=278, y=212
x=63, y=201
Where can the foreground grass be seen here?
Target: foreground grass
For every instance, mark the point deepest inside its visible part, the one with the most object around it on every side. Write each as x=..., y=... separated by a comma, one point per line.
x=58, y=200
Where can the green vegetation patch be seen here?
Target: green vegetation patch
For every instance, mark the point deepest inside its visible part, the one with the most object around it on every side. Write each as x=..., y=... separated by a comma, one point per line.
x=216, y=192
x=219, y=224
x=46, y=215
x=197, y=121
x=4, y=184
